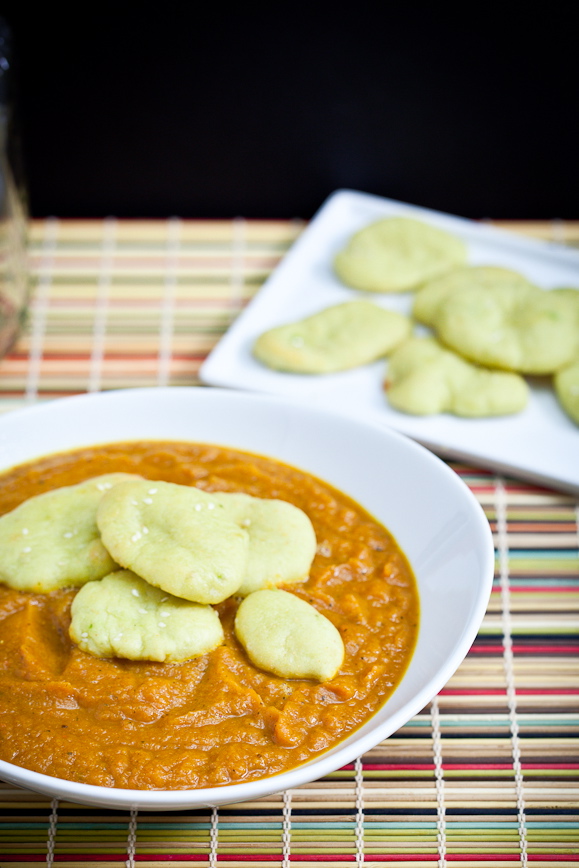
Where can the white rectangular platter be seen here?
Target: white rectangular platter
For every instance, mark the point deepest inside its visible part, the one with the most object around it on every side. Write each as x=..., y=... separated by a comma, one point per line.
x=540, y=444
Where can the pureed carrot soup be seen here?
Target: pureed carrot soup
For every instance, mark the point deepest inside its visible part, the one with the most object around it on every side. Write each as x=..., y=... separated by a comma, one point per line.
x=216, y=719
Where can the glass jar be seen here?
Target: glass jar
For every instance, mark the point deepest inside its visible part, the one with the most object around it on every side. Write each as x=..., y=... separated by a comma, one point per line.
x=14, y=273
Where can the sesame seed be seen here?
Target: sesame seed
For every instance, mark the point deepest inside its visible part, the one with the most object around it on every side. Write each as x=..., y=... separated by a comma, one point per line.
x=246, y=522
x=142, y=611
x=161, y=624
x=26, y=550
x=84, y=635
x=118, y=636
x=68, y=534
x=135, y=593
x=24, y=530
x=152, y=491
x=136, y=537
x=210, y=506
x=163, y=599
x=145, y=530
x=134, y=502
x=147, y=500
x=198, y=506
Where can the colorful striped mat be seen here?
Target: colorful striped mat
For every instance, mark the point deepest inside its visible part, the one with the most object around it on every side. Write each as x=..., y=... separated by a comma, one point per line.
x=488, y=774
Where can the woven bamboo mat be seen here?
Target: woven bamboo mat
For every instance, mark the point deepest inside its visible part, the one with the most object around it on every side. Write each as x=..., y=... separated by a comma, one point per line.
x=488, y=774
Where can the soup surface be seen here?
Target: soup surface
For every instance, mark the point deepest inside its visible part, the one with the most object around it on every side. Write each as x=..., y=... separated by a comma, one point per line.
x=216, y=719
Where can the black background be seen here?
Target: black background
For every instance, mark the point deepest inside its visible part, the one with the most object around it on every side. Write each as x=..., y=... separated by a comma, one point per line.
x=263, y=110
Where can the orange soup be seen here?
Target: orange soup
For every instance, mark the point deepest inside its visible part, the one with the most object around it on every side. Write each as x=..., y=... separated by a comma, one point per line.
x=216, y=719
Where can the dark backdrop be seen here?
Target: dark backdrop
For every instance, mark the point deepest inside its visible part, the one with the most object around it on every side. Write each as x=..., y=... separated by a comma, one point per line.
x=264, y=109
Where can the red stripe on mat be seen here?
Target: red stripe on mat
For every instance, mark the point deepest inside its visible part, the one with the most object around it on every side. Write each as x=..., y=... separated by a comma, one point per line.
x=526, y=649
x=546, y=691
x=449, y=766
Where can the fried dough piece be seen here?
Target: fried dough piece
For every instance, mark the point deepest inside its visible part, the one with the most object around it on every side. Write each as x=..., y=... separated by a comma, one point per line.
x=176, y=537
x=570, y=294
x=424, y=378
x=396, y=254
x=521, y=329
x=344, y=336
x=282, y=540
x=566, y=383
x=566, y=380
x=431, y=295
x=52, y=541
x=124, y=616
x=205, y=547
x=285, y=635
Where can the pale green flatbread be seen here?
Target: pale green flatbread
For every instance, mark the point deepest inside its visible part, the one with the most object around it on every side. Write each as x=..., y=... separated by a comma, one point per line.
x=570, y=293
x=282, y=540
x=335, y=339
x=176, y=537
x=205, y=547
x=285, y=635
x=124, y=616
x=566, y=382
x=424, y=378
x=396, y=254
x=431, y=295
x=521, y=329
x=52, y=541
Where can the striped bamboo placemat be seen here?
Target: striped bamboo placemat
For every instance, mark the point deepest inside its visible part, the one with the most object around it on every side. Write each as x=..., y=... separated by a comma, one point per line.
x=488, y=774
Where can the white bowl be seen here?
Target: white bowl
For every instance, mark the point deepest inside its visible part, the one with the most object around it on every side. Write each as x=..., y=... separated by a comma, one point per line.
x=431, y=513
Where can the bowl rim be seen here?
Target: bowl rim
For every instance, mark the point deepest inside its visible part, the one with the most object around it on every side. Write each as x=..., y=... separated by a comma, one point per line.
x=340, y=754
